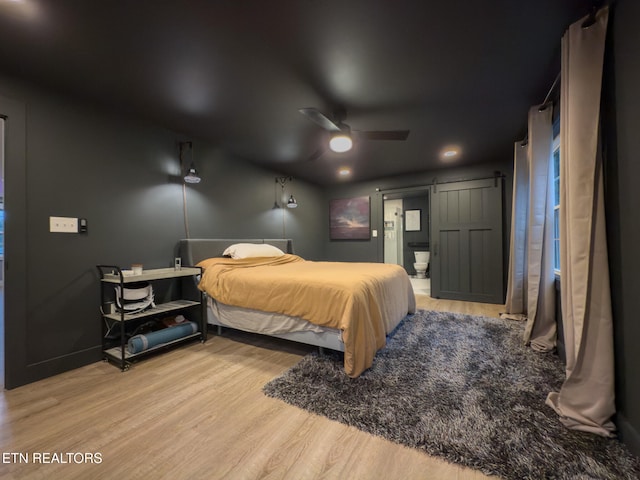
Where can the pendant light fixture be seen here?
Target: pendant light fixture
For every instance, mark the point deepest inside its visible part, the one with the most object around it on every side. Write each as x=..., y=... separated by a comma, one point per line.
x=192, y=174
x=291, y=202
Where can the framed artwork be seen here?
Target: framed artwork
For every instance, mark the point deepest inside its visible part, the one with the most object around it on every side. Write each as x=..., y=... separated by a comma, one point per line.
x=412, y=220
x=349, y=219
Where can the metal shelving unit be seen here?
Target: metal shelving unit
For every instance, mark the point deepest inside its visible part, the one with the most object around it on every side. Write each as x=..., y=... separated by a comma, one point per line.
x=111, y=275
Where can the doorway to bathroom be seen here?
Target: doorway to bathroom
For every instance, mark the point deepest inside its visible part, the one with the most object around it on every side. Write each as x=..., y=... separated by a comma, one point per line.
x=406, y=234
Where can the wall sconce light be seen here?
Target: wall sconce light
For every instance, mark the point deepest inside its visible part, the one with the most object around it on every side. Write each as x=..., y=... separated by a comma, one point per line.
x=291, y=203
x=192, y=174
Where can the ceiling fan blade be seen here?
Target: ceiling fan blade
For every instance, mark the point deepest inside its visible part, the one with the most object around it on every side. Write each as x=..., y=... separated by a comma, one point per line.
x=320, y=118
x=317, y=154
x=384, y=134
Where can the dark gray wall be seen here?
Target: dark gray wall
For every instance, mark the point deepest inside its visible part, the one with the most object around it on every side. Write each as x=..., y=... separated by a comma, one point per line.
x=372, y=250
x=622, y=196
x=66, y=159
x=235, y=200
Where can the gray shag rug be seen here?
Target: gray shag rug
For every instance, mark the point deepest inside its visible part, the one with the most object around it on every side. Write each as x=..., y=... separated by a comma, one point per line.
x=463, y=388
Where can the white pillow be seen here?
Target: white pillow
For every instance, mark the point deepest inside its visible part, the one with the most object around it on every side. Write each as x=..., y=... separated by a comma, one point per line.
x=248, y=250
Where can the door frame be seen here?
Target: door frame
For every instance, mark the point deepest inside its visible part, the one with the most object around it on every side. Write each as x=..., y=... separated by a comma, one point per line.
x=15, y=241
x=392, y=194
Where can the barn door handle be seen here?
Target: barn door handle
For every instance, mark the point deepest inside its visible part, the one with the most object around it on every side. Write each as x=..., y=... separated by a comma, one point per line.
x=435, y=249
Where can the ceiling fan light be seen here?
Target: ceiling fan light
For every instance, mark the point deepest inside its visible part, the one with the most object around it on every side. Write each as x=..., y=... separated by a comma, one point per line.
x=340, y=142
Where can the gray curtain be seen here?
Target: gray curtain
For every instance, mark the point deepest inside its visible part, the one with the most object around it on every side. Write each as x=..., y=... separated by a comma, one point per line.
x=586, y=400
x=531, y=284
x=540, y=330
x=517, y=283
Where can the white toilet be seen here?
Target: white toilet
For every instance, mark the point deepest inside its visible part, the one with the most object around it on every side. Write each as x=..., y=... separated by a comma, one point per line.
x=422, y=262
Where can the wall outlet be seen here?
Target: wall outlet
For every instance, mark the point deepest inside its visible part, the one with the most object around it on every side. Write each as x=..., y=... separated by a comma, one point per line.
x=63, y=224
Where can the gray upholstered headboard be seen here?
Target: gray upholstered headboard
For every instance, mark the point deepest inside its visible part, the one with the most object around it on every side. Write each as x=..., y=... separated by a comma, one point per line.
x=193, y=250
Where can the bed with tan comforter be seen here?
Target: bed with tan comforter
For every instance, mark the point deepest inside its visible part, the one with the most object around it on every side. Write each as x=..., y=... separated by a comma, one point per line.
x=365, y=301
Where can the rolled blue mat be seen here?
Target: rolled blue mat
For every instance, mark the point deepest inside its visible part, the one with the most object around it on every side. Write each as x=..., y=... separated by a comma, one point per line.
x=142, y=342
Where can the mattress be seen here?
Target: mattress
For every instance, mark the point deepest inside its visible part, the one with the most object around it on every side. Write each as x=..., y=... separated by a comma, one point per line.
x=256, y=321
x=273, y=324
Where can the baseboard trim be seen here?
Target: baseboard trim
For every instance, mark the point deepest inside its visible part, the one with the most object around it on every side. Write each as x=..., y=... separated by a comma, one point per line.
x=48, y=368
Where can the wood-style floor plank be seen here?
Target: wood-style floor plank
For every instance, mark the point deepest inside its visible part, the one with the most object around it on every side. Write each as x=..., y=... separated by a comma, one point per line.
x=199, y=412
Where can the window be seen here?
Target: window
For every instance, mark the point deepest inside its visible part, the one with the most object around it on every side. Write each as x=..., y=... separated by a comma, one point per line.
x=556, y=195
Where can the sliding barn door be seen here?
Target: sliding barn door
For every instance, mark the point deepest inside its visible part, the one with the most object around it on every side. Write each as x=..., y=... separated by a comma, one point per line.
x=466, y=252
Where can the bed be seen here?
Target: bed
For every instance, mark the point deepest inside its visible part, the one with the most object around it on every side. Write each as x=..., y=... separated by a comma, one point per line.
x=345, y=306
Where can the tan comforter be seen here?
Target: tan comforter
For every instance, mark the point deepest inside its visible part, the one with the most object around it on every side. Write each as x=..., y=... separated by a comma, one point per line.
x=364, y=300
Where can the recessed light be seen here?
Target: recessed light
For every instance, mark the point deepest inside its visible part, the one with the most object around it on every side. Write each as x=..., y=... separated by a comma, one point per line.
x=450, y=152
x=344, y=172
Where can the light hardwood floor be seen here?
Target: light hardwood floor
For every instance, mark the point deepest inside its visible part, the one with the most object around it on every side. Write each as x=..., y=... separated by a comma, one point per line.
x=198, y=412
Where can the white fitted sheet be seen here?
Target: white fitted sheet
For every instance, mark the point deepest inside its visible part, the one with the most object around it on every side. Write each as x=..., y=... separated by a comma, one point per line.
x=257, y=321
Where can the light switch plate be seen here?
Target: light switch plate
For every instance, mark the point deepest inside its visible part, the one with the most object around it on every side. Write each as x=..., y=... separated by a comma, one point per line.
x=63, y=224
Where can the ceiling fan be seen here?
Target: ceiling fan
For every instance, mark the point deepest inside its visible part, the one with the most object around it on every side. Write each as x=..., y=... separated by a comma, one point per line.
x=341, y=134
